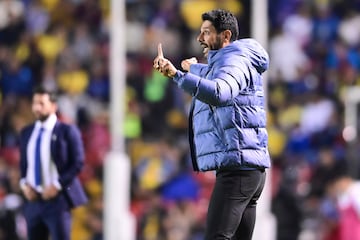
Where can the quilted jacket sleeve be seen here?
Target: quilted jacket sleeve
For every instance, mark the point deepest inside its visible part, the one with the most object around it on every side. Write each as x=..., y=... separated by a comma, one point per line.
x=223, y=83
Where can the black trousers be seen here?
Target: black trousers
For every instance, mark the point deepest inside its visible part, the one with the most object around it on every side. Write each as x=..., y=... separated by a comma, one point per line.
x=232, y=207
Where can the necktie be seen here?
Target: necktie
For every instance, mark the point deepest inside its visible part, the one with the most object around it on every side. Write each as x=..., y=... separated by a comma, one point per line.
x=38, y=158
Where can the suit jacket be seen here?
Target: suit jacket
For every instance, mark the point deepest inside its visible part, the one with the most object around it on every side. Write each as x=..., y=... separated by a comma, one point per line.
x=67, y=152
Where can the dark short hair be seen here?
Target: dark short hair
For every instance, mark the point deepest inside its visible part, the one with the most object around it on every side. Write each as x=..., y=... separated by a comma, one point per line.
x=42, y=90
x=223, y=20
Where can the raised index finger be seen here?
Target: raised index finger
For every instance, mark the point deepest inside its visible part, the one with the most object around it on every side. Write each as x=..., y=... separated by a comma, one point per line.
x=160, y=52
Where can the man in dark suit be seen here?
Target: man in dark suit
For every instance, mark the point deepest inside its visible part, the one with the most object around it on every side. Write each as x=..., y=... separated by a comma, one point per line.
x=51, y=157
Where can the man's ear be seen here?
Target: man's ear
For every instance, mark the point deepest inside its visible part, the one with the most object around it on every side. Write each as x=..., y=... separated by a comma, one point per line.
x=227, y=36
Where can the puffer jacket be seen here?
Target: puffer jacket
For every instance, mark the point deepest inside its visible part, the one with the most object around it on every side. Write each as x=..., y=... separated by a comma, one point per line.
x=227, y=120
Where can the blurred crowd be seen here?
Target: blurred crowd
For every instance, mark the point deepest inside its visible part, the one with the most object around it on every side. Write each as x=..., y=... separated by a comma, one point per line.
x=64, y=45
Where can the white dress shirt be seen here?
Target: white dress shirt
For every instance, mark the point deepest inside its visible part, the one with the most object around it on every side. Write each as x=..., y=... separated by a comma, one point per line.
x=50, y=175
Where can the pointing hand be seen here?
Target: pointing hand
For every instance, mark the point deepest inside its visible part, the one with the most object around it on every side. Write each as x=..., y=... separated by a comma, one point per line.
x=163, y=65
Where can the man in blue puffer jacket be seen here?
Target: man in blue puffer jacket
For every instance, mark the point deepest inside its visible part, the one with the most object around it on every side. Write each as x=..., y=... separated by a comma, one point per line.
x=227, y=122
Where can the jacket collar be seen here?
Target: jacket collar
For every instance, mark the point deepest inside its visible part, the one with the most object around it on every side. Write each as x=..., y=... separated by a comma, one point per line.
x=214, y=55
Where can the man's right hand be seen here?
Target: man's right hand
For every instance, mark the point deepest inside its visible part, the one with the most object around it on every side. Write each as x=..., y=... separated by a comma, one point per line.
x=185, y=64
x=29, y=192
x=163, y=65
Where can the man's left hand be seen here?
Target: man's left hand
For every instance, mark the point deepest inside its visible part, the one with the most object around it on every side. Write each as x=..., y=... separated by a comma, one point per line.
x=185, y=64
x=50, y=192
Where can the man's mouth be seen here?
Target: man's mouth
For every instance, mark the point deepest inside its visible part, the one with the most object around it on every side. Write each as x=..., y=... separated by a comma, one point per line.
x=205, y=48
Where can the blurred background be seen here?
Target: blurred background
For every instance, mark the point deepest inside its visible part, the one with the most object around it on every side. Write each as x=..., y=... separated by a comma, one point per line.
x=312, y=118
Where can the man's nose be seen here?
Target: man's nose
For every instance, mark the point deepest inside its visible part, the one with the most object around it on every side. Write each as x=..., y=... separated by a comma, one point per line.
x=200, y=37
x=36, y=107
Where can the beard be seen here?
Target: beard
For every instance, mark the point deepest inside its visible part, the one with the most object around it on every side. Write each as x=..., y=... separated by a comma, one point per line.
x=42, y=117
x=214, y=46
x=217, y=45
